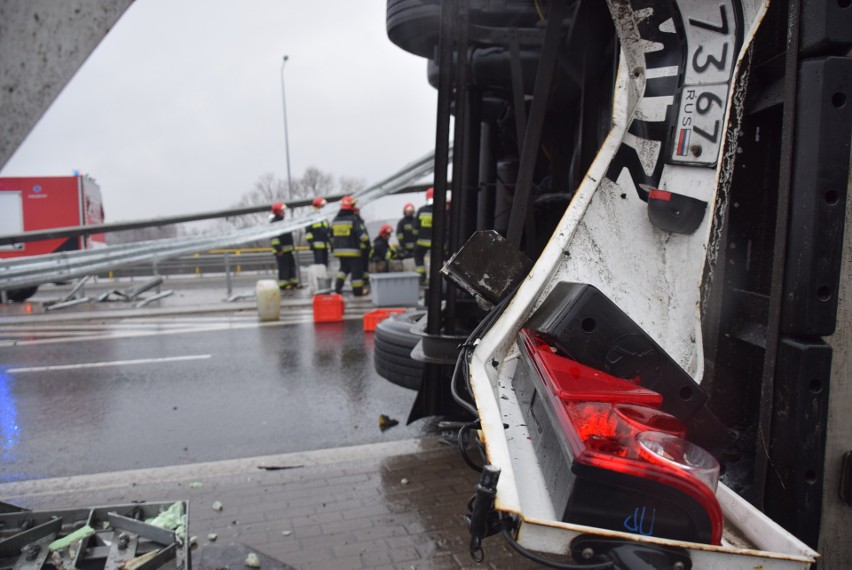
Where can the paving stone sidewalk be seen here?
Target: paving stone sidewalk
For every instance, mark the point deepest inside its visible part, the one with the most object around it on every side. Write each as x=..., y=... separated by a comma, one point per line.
x=396, y=505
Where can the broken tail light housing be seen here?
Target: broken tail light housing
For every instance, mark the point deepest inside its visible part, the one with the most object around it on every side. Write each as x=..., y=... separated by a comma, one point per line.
x=610, y=456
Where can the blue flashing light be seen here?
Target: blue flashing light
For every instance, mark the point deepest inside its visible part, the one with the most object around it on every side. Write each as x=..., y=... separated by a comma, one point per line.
x=9, y=429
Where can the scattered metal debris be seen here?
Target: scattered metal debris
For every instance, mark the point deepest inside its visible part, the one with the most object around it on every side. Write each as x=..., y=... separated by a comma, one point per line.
x=118, y=537
x=157, y=297
x=241, y=296
x=66, y=304
x=133, y=292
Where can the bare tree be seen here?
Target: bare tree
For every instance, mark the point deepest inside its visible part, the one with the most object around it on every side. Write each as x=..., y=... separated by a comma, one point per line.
x=267, y=189
x=314, y=182
x=350, y=185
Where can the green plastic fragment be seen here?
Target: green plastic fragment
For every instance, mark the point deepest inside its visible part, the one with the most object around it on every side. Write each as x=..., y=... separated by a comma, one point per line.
x=172, y=518
x=68, y=540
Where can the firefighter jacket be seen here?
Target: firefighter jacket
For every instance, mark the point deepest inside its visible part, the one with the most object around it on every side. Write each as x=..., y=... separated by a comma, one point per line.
x=348, y=238
x=317, y=236
x=382, y=250
x=405, y=234
x=282, y=243
x=423, y=226
x=365, y=241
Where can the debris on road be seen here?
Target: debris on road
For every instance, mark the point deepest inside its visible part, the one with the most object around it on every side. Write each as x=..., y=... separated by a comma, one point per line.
x=386, y=422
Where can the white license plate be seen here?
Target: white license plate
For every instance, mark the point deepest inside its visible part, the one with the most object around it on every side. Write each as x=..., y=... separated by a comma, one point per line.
x=712, y=37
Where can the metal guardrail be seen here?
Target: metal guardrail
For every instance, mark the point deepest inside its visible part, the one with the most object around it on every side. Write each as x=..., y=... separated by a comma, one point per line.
x=32, y=271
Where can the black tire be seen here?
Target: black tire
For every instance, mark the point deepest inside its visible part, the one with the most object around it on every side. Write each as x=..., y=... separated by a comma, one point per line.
x=21, y=295
x=413, y=25
x=393, y=342
x=391, y=349
x=397, y=329
x=402, y=376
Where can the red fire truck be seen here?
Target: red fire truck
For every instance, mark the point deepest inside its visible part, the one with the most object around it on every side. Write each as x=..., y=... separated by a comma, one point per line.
x=45, y=202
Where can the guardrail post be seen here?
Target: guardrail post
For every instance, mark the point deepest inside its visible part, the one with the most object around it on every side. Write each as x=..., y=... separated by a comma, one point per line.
x=238, y=268
x=228, y=272
x=197, y=267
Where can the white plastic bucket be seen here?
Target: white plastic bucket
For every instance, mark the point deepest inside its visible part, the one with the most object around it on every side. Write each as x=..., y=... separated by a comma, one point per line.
x=268, y=300
x=317, y=277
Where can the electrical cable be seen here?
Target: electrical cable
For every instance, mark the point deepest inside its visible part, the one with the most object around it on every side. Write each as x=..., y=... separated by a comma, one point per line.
x=467, y=345
x=454, y=390
x=462, y=431
x=507, y=534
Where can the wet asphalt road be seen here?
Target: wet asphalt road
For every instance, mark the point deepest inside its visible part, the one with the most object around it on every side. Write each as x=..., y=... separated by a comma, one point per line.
x=92, y=396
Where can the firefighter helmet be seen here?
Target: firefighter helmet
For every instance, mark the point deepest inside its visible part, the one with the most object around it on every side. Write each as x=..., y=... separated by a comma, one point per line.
x=408, y=209
x=318, y=202
x=385, y=230
x=278, y=208
x=348, y=203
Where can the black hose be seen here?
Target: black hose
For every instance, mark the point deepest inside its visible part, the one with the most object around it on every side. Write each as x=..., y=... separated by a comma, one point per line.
x=463, y=449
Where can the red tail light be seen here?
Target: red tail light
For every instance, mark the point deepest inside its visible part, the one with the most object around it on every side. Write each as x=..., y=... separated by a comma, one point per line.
x=629, y=466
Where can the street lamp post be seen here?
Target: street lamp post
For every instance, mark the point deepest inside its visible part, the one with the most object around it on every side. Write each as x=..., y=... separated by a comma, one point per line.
x=286, y=137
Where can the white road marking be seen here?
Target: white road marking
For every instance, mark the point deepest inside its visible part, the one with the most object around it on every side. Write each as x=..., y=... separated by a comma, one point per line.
x=110, y=333
x=113, y=363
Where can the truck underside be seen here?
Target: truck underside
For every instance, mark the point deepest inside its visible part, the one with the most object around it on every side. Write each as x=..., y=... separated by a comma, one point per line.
x=684, y=165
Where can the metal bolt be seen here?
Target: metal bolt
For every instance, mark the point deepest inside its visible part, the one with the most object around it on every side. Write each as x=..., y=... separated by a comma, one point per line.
x=679, y=566
x=123, y=541
x=695, y=150
x=31, y=551
x=587, y=553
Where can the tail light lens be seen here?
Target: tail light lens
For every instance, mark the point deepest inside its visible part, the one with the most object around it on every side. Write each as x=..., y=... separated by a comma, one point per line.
x=610, y=456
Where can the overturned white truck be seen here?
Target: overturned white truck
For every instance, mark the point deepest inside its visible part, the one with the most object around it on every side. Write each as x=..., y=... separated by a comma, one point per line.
x=645, y=322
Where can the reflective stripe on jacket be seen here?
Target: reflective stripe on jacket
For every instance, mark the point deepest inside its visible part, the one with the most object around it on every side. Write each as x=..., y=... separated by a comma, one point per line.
x=347, y=236
x=317, y=235
x=282, y=243
x=405, y=233
x=423, y=226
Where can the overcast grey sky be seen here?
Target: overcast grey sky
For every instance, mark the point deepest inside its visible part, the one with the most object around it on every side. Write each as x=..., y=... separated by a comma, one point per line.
x=179, y=109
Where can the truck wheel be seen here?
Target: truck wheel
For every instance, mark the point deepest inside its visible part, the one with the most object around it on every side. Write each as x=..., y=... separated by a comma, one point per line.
x=21, y=295
x=413, y=25
x=393, y=344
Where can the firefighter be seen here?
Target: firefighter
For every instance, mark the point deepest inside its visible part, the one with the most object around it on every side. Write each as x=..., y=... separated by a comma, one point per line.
x=382, y=251
x=405, y=232
x=423, y=233
x=365, y=249
x=317, y=236
x=348, y=242
x=283, y=247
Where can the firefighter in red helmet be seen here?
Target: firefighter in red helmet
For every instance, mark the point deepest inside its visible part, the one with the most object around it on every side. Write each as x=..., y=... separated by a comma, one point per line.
x=382, y=251
x=283, y=247
x=423, y=233
x=405, y=232
x=317, y=236
x=348, y=241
